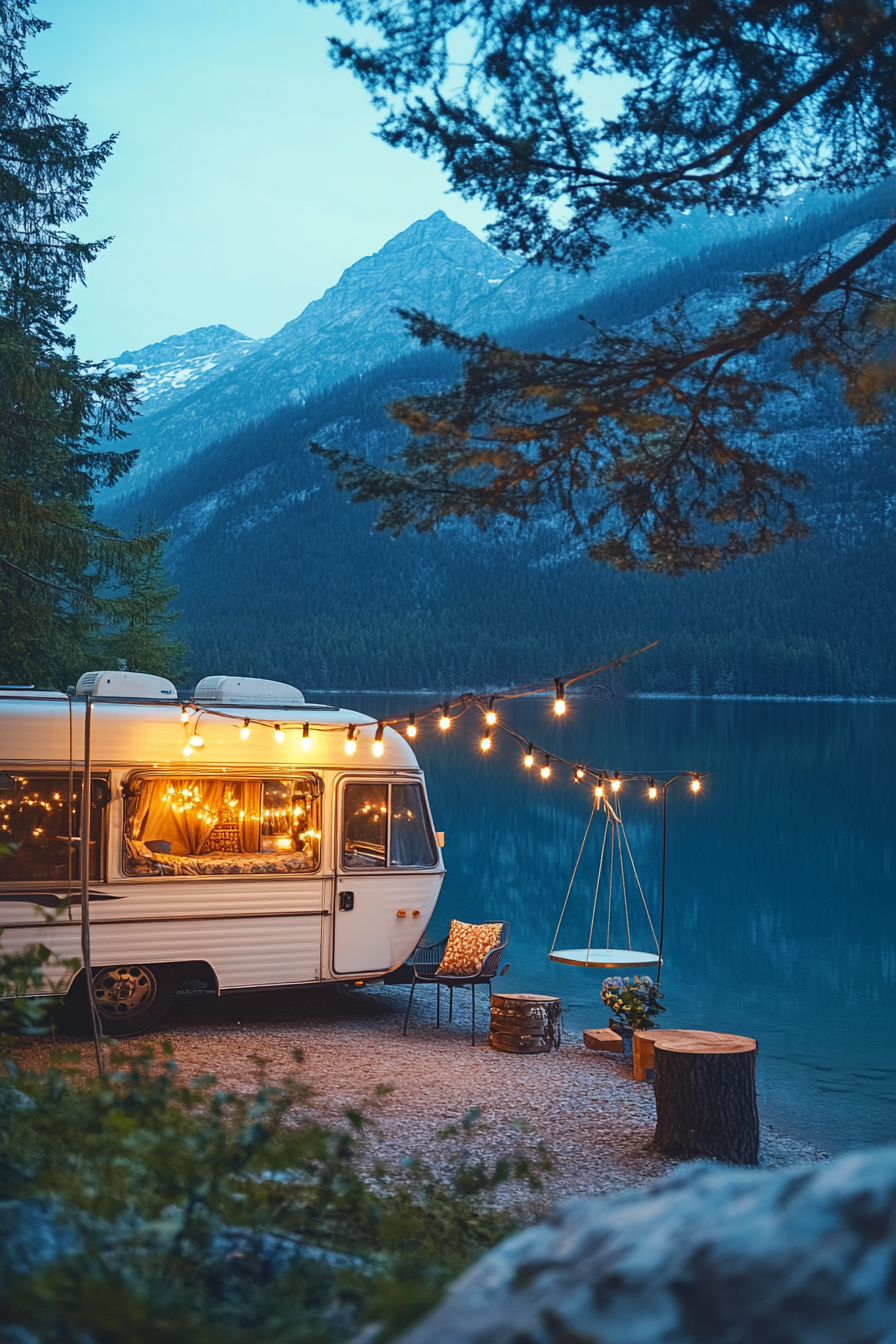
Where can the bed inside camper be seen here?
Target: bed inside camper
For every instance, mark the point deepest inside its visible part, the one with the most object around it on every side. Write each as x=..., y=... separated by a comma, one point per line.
x=197, y=827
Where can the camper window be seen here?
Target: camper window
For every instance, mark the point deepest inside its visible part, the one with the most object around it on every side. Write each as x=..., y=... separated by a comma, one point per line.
x=386, y=818
x=194, y=827
x=41, y=829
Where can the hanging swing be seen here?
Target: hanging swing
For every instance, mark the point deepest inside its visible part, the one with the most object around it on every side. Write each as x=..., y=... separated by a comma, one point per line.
x=612, y=863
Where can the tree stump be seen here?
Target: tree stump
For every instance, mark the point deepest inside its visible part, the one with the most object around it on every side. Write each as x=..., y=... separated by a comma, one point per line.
x=705, y=1084
x=642, y=1052
x=525, y=1024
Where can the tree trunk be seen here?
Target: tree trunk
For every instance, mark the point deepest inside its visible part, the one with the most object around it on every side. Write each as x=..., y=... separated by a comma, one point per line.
x=705, y=1085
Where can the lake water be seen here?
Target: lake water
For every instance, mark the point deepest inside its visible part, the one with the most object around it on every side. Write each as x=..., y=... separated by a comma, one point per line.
x=780, y=884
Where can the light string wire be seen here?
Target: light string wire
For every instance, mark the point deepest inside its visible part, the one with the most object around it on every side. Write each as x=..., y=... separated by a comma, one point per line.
x=484, y=701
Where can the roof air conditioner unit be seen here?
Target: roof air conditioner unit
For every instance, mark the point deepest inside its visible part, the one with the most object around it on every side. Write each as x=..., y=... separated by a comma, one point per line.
x=126, y=686
x=246, y=691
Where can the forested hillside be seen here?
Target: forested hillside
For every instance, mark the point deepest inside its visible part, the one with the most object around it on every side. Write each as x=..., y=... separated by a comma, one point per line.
x=281, y=576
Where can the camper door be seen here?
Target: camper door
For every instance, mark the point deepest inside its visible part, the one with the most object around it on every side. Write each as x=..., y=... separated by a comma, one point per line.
x=385, y=885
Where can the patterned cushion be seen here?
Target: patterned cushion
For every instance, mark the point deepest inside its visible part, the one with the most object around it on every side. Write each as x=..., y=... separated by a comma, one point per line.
x=467, y=947
x=224, y=839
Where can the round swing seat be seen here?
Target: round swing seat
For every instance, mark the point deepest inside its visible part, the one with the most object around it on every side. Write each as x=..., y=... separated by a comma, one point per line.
x=604, y=956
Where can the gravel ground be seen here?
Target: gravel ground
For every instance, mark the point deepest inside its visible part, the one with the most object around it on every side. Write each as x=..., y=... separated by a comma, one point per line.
x=585, y=1107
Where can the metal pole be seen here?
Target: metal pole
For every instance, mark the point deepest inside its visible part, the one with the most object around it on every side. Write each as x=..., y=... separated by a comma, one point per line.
x=659, y=969
x=85, y=885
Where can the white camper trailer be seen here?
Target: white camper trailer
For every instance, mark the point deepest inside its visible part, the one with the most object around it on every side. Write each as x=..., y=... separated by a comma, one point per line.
x=245, y=839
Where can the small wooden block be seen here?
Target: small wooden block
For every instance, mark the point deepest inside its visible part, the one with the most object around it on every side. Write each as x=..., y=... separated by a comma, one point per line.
x=603, y=1038
x=642, y=1052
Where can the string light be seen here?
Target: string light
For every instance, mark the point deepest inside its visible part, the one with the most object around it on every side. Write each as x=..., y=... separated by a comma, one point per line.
x=559, y=700
x=651, y=789
x=580, y=773
x=490, y=716
x=188, y=750
x=695, y=784
x=306, y=737
x=197, y=741
x=529, y=759
x=616, y=783
x=445, y=720
x=279, y=735
x=546, y=768
x=599, y=788
x=486, y=741
x=378, y=741
x=184, y=715
x=244, y=731
x=351, y=745
x=412, y=725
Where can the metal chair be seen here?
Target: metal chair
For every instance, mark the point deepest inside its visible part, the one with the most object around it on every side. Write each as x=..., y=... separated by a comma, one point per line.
x=426, y=961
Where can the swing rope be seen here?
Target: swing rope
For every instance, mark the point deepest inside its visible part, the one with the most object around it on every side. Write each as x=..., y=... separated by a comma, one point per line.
x=600, y=869
x=573, y=878
x=641, y=890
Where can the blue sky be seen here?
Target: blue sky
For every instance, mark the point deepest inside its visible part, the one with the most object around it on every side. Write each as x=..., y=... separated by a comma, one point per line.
x=245, y=178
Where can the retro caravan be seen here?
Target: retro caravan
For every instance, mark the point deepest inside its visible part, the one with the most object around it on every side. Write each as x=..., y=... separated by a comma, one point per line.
x=242, y=838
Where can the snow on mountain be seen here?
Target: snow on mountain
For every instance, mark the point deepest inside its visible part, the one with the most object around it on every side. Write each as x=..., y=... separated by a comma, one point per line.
x=181, y=364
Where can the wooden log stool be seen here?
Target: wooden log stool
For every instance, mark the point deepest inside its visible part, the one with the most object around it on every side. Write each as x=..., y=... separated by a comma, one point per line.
x=525, y=1024
x=705, y=1084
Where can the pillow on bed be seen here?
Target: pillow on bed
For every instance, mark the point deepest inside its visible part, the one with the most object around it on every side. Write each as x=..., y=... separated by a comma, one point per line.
x=467, y=947
x=223, y=839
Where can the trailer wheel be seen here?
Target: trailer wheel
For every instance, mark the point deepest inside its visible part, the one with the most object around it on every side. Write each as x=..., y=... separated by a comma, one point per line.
x=130, y=998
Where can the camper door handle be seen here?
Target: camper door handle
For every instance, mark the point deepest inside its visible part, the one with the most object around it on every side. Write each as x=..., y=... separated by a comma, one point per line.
x=346, y=900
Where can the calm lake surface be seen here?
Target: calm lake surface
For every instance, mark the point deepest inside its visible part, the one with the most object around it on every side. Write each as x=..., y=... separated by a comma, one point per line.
x=780, y=884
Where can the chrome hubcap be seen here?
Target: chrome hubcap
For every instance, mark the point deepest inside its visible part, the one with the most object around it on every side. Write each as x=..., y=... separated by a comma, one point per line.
x=124, y=991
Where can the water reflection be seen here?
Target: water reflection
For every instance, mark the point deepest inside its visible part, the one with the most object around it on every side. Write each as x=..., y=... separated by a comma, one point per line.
x=781, y=920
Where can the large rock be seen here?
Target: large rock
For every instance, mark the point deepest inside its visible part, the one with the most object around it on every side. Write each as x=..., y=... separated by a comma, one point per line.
x=806, y=1255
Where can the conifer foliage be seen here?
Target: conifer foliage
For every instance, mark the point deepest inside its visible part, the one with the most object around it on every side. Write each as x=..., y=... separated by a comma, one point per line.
x=71, y=589
x=647, y=442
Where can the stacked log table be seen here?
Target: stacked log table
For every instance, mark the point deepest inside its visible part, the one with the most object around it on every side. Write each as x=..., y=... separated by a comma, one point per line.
x=705, y=1085
x=525, y=1024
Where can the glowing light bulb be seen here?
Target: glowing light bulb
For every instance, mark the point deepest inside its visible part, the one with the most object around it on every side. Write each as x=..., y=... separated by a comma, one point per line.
x=378, y=741
x=529, y=759
x=486, y=742
x=411, y=729
x=559, y=701
x=491, y=717
x=197, y=741
x=279, y=735
x=651, y=789
x=184, y=716
x=377, y=748
x=244, y=731
x=616, y=783
x=580, y=773
x=306, y=737
x=188, y=750
x=351, y=745
x=695, y=784
x=599, y=791
x=445, y=720
x=546, y=771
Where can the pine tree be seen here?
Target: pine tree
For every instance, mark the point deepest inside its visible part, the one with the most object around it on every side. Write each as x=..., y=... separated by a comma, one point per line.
x=71, y=589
